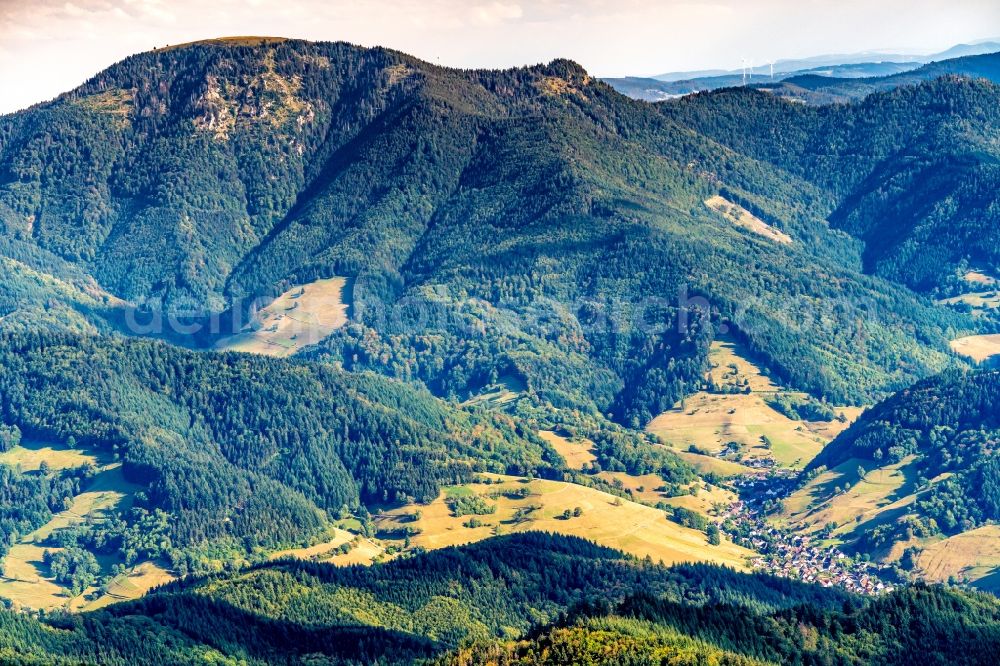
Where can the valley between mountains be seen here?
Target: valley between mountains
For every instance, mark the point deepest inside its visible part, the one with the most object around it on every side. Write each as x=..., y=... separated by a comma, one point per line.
x=315, y=353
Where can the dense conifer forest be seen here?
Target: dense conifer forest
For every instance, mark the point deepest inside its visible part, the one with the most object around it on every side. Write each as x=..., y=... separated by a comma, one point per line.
x=571, y=601
x=258, y=450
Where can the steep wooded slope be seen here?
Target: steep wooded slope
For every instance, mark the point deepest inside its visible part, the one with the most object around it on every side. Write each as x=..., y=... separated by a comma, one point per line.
x=244, y=451
x=913, y=172
x=950, y=427
x=528, y=222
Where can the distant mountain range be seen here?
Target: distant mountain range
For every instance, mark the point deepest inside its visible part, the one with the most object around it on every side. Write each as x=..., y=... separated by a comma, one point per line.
x=814, y=88
x=865, y=65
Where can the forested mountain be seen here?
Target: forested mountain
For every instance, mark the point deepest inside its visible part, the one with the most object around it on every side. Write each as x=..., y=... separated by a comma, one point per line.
x=825, y=80
x=528, y=232
x=566, y=596
x=913, y=172
x=913, y=626
x=530, y=223
x=244, y=451
x=950, y=427
x=656, y=90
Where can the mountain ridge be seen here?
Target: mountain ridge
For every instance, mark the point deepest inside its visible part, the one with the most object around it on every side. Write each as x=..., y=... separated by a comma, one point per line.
x=218, y=173
x=819, y=83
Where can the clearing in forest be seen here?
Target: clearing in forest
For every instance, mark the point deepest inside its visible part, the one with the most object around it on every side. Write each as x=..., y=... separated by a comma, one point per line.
x=29, y=456
x=506, y=390
x=302, y=316
x=733, y=421
x=25, y=579
x=577, y=453
x=980, y=278
x=983, y=294
x=537, y=504
x=132, y=584
x=744, y=219
x=977, y=347
x=978, y=301
x=360, y=550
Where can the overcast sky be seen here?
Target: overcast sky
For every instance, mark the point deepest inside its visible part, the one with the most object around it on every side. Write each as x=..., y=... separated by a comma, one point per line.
x=50, y=46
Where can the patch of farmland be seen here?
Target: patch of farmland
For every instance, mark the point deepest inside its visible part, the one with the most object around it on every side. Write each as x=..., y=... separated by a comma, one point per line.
x=977, y=347
x=506, y=390
x=980, y=278
x=862, y=502
x=977, y=300
x=707, y=463
x=25, y=579
x=731, y=370
x=744, y=219
x=577, y=453
x=302, y=316
x=738, y=427
x=734, y=423
x=29, y=456
x=972, y=556
x=522, y=505
x=338, y=537
x=643, y=489
x=132, y=584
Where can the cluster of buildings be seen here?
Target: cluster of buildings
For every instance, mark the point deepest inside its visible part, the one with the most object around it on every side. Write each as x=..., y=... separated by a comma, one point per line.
x=784, y=553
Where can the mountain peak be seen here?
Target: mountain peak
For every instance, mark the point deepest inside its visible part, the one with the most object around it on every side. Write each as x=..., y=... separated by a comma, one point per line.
x=244, y=40
x=567, y=69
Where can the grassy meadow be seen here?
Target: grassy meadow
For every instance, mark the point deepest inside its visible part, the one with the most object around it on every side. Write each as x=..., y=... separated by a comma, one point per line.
x=301, y=316
x=734, y=419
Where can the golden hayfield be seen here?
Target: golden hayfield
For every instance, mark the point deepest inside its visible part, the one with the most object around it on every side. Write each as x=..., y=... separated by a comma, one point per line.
x=731, y=368
x=744, y=219
x=706, y=464
x=882, y=494
x=642, y=488
x=337, y=538
x=30, y=455
x=301, y=316
x=977, y=347
x=608, y=520
x=712, y=421
x=25, y=580
x=132, y=585
x=972, y=556
x=577, y=454
x=979, y=278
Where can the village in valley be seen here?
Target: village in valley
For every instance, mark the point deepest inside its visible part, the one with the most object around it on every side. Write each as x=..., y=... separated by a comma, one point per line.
x=786, y=554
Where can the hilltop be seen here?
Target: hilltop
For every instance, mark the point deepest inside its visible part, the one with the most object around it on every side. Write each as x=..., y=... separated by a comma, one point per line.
x=533, y=598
